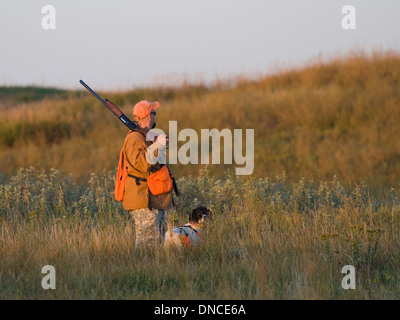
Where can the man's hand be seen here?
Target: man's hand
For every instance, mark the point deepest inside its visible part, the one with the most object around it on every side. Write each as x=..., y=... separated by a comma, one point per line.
x=162, y=139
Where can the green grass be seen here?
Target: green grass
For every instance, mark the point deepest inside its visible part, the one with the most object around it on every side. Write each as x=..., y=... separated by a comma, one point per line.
x=29, y=93
x=269, y=239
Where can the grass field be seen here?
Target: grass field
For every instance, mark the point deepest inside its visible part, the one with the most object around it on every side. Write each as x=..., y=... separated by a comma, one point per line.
x=269, y=239
x=324, y=193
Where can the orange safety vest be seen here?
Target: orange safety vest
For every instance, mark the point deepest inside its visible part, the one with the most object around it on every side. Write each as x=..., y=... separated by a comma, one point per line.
x=159, y=182
x=122, y=174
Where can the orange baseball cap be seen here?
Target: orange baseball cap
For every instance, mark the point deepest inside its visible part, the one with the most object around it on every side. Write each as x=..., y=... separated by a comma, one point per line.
x=143, y=108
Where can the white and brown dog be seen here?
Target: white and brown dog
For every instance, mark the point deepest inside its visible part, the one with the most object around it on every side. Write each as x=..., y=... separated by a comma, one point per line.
x=190, y=233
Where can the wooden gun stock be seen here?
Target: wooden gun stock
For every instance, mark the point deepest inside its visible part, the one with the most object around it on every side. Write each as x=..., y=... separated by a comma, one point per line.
x=151, y=136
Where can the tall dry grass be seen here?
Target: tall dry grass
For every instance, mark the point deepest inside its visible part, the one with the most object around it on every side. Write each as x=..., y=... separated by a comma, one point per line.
x=269, y=239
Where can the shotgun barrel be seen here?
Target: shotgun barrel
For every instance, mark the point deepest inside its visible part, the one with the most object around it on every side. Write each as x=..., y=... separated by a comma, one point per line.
x=121, y=116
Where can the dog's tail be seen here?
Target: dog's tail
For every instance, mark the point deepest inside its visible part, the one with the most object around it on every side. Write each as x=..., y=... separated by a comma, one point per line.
x=169, y=225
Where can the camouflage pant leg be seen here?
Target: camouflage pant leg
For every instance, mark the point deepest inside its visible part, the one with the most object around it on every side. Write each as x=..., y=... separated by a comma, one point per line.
x=149, y=227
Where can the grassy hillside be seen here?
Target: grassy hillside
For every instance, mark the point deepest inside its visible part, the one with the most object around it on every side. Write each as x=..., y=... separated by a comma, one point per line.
x=337, y=118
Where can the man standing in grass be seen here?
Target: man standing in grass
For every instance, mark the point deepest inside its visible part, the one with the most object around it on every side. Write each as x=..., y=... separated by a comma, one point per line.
x=148, y=210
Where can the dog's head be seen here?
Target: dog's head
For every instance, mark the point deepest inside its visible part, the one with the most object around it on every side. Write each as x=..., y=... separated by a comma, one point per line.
x=200, y=215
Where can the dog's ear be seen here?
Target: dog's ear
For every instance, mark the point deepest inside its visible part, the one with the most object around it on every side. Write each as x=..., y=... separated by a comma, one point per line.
x=193, y=216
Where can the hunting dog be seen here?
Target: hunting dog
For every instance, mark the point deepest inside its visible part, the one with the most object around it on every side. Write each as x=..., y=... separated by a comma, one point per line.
x=190, y=233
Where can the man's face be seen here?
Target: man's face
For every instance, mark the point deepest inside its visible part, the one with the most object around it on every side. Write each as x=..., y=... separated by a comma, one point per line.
x=152, y=119
x=149, y=121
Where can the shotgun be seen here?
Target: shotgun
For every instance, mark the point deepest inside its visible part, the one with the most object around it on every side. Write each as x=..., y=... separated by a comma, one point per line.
x=120, y=115
x=130, y=124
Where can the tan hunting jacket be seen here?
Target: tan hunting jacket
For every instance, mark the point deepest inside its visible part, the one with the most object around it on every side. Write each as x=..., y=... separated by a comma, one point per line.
x=137, y=194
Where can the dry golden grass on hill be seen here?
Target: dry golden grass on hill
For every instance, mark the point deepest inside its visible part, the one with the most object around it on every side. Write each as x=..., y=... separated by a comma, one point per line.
x=334, y=118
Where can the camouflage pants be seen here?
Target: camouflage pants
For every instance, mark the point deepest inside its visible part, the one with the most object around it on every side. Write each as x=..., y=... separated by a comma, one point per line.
x=149, y=227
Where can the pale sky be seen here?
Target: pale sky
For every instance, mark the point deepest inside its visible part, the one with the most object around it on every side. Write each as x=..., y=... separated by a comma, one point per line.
x=123, y=44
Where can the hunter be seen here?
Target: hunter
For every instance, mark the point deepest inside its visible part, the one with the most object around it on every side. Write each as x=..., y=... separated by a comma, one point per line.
x=147, y=209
